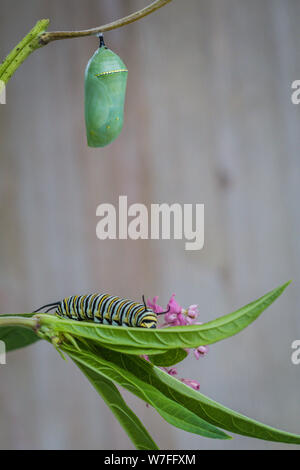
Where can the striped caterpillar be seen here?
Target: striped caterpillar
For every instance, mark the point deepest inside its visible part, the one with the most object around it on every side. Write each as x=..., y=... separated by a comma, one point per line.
x=105, y=309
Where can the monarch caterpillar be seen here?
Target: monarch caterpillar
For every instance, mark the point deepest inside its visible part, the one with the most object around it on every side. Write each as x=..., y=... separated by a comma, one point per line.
x=105, y=309
x=105, y=90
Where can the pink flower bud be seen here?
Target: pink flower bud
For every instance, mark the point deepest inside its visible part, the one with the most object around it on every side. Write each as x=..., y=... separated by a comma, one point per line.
x=191, y=383
x=154, y=305
x=172, y=371
x=201, y=351
x=192, y=311
x=174, y=306
x=177, y=316
x=170, y=317
x=181, y=319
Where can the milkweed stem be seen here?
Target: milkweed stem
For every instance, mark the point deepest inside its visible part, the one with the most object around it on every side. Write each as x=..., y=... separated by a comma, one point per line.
x=22, y=50
x=19, y=321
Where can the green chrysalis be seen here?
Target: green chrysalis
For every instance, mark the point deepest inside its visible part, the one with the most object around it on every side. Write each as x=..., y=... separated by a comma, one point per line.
x=105, y=90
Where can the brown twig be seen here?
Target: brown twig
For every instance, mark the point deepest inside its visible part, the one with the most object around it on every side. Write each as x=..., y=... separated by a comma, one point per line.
x=47, y=37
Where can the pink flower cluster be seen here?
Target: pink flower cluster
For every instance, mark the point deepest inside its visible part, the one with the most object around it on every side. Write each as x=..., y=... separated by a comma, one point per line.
x=178, y=316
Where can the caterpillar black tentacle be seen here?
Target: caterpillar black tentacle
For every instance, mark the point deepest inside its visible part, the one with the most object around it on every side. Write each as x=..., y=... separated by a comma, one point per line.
x=52, y=305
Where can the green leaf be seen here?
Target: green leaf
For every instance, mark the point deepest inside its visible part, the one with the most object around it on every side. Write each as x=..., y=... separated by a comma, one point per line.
x=16, y=337
x=169, y=358
x=216, y=413
x=140, y=341
x=138, y=371
x=112, y=397
x=173, y=412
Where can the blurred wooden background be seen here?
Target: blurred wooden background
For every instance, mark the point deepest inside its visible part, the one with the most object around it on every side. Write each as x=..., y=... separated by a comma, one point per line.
x=209, y=119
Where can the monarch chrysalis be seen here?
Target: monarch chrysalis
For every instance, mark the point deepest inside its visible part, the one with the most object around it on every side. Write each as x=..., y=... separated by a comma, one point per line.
x=105, y=89
x=105, y=309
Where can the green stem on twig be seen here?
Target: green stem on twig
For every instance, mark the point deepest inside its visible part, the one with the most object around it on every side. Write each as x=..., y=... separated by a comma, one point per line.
x=17, y=56
x=31, y=323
